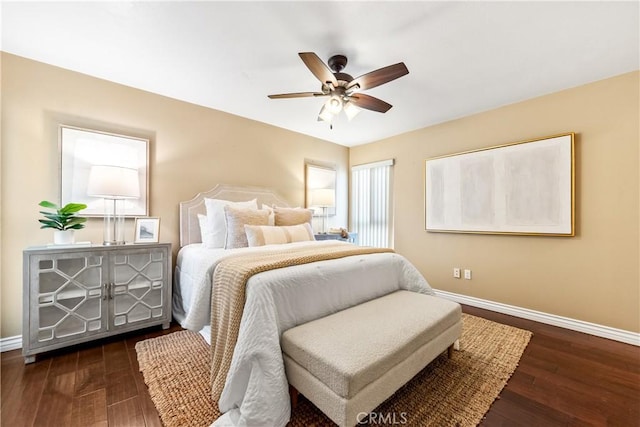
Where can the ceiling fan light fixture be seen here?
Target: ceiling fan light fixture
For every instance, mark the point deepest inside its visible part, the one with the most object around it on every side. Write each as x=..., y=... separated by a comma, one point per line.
x=351, y=110
x=344, y=91
x=325, y=114
x=334, y=104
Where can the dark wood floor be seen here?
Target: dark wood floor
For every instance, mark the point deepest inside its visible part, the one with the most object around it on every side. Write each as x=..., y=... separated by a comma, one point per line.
x=565, y=378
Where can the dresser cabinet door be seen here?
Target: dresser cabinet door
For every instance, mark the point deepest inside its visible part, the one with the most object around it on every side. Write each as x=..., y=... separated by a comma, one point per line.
x=138, y=286
x=68, y=297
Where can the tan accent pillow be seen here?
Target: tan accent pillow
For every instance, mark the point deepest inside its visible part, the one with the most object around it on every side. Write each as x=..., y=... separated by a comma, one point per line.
x=214, y=234
x=260, y=235
x=236, y=219
x=291, y=216
x=272, y=218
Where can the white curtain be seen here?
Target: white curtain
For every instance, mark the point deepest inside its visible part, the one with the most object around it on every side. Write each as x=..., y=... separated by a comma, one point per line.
x=371, y=203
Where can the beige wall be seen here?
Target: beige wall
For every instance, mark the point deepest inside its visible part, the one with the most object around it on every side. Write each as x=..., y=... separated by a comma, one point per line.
x=593, y=276
x=192, y=149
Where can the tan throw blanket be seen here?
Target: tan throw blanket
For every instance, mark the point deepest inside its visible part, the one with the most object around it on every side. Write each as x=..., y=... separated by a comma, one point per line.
x=228, y=295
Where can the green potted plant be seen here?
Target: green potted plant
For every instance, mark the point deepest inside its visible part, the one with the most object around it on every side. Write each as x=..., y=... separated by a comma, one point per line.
x=63, y=220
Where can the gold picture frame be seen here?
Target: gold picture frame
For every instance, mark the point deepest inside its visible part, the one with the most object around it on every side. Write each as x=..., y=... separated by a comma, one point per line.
x=523, y=188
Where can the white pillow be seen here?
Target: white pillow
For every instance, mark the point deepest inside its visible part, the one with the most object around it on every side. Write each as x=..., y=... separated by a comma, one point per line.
x=260, y=235
x=217, y=229
x=205, y=231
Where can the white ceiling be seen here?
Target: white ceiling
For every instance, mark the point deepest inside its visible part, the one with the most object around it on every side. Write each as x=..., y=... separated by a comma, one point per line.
x=463, y=57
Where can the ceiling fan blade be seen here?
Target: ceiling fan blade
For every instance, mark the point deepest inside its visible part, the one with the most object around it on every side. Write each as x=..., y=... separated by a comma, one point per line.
x=370, y=103
x=297, y=95
x=379, y=76
x=318, y=68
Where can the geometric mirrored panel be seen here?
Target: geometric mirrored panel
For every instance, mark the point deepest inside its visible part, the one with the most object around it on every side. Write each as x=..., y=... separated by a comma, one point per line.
x=139, y=291
x=91, y=277
x=45, y=335
x=138, y=261
x=90, y=309
x=123, y=303
x=138, y=313
x=95, y=325
x=45, y=264
x=94, y=261
x=154, y=271
x=50, y=315
x=119, y=259
x=71, y=266
x=154, y=298
x=70, y=303
x=49, y=281
x=70, y=295
x=71, y=325
x=123, y=273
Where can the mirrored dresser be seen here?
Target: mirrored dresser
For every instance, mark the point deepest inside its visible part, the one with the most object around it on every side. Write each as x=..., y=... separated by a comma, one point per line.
x=77, y=294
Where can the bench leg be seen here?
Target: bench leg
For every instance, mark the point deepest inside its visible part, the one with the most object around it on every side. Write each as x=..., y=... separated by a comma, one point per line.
x=454, y=346
x=294, y=396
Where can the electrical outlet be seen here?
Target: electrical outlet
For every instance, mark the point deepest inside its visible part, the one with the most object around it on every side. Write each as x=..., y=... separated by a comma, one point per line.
x=467, y=274
x=456, y=273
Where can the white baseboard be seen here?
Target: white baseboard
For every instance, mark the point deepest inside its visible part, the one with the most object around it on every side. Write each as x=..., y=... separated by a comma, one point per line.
x=549, y=319
x=14, y=343
x=10, y=343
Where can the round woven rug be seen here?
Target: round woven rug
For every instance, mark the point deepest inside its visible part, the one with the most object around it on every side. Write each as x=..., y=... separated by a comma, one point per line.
x=448, y=392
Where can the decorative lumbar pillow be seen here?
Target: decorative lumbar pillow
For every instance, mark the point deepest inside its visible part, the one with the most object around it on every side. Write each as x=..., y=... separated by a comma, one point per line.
x=236, y=219
x=292, y=216
x=217, y=229
x=260, y=235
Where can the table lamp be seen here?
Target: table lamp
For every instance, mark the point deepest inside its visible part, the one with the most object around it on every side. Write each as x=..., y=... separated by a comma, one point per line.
x=114, y=184
x=324, y=198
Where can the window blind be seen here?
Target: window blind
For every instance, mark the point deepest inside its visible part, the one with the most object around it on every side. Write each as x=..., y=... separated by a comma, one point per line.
x=371, y=203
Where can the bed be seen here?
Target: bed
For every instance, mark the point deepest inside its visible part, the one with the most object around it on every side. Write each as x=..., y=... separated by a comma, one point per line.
x=254, y=389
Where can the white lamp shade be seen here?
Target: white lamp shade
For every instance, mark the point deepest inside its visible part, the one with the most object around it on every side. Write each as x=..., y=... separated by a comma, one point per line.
x=351, y=110
x=334, y=104
x=325, y=115
x=325, y=197
x=113, y=182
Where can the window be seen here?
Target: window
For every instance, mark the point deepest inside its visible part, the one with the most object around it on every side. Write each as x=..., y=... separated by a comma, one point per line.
x=371, y=203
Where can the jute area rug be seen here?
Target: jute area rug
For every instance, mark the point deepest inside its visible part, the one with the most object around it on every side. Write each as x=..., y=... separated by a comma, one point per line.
x=448, y=392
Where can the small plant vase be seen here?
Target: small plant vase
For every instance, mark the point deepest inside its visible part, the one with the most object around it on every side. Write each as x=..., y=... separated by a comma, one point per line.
x=63, y=237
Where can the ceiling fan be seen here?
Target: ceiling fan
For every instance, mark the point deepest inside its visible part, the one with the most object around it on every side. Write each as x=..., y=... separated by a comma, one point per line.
x=342, y=89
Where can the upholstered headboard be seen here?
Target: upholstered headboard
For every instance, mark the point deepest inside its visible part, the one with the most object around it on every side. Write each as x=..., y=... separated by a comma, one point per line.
x=189, y=210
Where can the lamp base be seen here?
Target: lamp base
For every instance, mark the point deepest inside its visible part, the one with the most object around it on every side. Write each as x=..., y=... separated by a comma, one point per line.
x=113, y=223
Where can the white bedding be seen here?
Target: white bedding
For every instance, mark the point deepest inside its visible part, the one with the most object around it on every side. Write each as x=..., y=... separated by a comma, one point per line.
x=256, y=389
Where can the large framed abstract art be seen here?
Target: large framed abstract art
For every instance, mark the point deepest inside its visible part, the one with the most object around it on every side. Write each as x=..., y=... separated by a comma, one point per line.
x=525, y=188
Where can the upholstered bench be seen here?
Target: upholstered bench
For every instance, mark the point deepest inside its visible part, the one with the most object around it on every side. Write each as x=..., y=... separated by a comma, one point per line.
x=351, y=361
